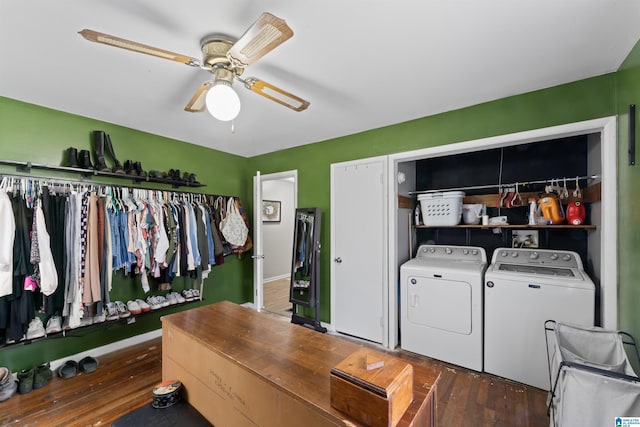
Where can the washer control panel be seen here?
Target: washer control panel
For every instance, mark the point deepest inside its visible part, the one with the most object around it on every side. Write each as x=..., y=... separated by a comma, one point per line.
x=542, y=257
x=452, y=253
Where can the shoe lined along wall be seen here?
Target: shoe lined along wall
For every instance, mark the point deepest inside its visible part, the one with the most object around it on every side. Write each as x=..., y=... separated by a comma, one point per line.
x=76, y=254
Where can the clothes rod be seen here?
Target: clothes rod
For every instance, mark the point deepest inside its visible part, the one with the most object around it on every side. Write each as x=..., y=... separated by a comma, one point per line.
x=484, y=187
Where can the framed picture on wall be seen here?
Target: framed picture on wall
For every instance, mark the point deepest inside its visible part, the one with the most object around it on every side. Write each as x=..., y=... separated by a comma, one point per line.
x=270, y=211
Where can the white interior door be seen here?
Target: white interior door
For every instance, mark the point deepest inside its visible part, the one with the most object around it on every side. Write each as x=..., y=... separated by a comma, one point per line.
x=359, y=248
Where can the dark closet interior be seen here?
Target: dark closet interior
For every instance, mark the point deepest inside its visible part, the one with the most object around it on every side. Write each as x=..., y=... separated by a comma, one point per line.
x=539, y=161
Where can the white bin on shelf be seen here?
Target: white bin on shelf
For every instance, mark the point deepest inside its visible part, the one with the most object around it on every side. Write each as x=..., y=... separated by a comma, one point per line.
x=441, y=209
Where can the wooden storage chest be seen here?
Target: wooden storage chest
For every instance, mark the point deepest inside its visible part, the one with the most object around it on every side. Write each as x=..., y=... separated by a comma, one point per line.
x=243, y=368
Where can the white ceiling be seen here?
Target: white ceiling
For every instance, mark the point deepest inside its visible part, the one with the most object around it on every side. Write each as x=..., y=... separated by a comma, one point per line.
x=362, y=64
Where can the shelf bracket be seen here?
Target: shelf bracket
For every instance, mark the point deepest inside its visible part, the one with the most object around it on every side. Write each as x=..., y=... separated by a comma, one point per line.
x=26, y=167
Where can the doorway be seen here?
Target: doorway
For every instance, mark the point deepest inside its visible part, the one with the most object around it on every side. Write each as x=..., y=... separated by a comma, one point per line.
x=278, y=204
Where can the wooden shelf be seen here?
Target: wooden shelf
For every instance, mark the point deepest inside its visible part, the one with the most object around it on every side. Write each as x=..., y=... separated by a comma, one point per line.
x=514, y=226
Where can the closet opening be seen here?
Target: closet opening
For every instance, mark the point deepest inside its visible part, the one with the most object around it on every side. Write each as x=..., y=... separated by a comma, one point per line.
x=585, y=149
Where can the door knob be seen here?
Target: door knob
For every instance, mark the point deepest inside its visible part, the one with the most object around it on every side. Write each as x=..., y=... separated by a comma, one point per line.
x=257, y=256
x=338, y=260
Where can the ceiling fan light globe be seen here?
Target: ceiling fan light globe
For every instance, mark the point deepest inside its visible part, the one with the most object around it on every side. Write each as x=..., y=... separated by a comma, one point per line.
x=223, y=102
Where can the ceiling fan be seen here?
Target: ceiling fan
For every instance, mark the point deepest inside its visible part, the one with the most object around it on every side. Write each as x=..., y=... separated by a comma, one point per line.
x=226, y=60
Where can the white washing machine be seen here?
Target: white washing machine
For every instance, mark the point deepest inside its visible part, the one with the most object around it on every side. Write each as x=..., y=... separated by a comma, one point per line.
x=523, y=289
x=441, y=304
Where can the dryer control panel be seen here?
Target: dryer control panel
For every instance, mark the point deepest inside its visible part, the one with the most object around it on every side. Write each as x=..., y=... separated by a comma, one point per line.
x=453, y=253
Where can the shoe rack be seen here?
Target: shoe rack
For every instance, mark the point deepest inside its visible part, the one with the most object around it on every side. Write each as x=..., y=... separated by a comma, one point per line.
x=26, y=167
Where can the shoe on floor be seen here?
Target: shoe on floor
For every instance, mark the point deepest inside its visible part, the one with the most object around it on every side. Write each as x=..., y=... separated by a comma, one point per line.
x=68, y=370
x=8, y=385
x=8, y=389
x=4, y=375
x=188, y=295
x=171, y=298
x=100, y=318
x=88, y=364
x=42, y=375
x=25, y=381
x=143, y=305
x=36, y=329
x=134, y=307
x=162, y=301
x=154, y=302
x=179, y=297
x=13, y=341
x=54, y=325
x=112, y=311
x=123, y=311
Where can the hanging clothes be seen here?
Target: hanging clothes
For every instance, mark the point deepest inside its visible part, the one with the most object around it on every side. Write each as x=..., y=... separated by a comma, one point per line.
x=8, y=227
x=91, y=280
x=53, y=208
x=46, y=266
x=61, y=244
x=73, y=308
x=21, y=307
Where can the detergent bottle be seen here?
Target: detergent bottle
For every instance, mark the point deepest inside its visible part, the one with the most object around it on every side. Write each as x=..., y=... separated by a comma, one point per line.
x=551, y=208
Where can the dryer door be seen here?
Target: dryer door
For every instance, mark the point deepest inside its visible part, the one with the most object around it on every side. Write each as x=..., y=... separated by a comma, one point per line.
x=439, y=303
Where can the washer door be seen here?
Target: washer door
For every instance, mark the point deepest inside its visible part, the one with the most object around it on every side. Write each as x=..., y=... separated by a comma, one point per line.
x=439, y=303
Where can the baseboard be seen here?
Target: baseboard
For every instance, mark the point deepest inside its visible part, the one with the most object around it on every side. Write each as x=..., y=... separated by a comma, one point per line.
x=109, y=348
x=273, y=279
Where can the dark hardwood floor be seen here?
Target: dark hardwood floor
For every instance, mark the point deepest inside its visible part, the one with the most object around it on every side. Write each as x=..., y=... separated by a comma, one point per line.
x=124, y=381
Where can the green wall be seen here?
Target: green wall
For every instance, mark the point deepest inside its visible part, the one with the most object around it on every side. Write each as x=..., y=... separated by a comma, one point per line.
x=628, y=92
x=41, y=135
x=29, y=132
x=582, y=100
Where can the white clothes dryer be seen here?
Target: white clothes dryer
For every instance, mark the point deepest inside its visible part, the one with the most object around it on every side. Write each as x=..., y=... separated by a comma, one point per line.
x=441, y=304
x=524, y=288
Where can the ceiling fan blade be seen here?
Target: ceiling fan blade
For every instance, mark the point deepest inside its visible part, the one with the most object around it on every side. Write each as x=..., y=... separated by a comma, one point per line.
x=198, y=100
x=267, y=33
x=110, y=40
x=276, y=94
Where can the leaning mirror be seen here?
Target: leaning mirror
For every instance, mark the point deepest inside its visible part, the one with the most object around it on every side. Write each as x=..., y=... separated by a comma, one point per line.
x=306, y=247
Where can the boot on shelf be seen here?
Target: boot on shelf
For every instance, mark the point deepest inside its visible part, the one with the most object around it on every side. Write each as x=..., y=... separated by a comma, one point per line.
x=138, y=168
x=71, y=160
x=129, y=168
x=98, y=150
x=84, y=159
x=117, y=167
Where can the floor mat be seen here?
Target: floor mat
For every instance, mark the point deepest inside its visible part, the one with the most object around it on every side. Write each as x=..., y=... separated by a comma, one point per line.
x=180, y=414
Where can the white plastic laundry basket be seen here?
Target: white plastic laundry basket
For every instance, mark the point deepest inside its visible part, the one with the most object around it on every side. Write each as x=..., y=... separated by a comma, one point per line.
x=441, y=209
